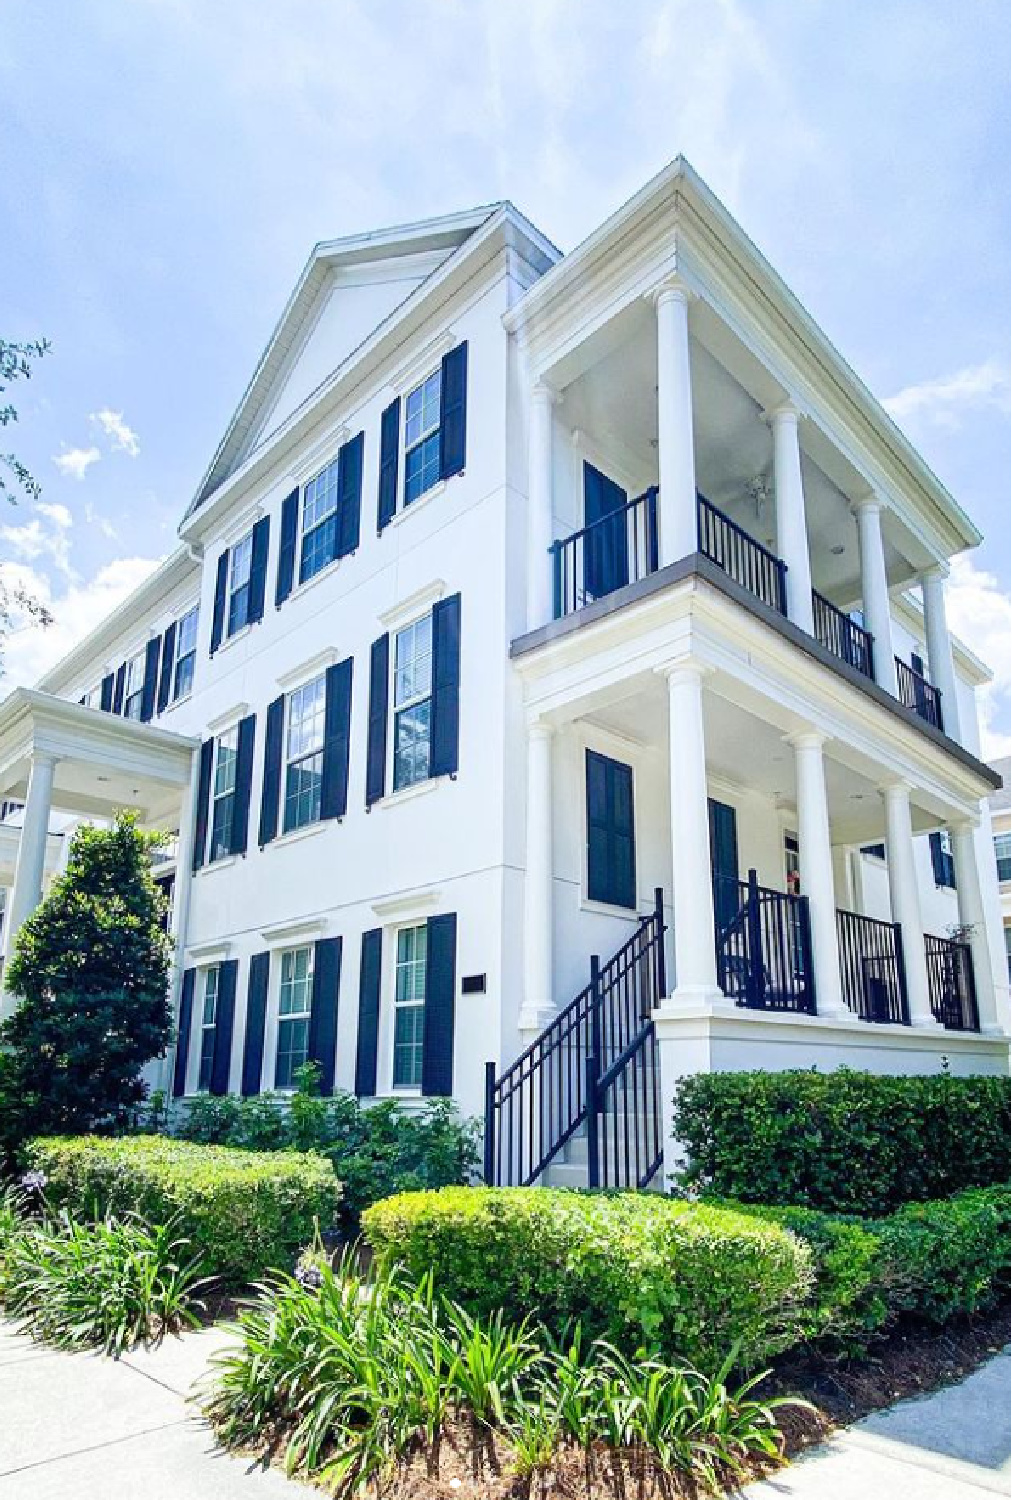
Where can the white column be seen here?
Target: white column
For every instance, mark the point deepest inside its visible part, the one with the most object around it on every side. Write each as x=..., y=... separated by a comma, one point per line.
x=538, y=1002
x=970, y=901
x=30, y=866
x=675, y=456
x=875, y=592
x=695, y=962
x=181, y=903
x=539, y=507
x=939, y=643
x=815, y=853
x=792, y=529
x=905, y=901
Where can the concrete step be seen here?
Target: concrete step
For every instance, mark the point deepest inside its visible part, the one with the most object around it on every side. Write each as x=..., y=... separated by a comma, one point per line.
x=565, y=1174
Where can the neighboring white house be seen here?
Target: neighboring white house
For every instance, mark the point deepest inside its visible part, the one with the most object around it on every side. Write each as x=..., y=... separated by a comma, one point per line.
x=524, y=592
x=1000, y=803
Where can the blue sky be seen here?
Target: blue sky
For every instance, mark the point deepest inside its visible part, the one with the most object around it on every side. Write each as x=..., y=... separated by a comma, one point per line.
x=166, y=165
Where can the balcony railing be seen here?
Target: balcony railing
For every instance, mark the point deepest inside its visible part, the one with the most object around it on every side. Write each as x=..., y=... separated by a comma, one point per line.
x=764, y=946
x=841, y=635
x=871, y=968
x=742, y=558
x=951, y=987
x=616, y=549
x=918, y=694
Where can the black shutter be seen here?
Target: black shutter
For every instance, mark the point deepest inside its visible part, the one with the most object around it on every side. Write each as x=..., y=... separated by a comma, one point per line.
x=349, y=494
x=256, y=1023
x=273, y=749
x=220, y=588
x=453, y=412
x=224, y=1021
x=611, y=849
x=243, y=785
x=443, y=755
x=723, y=829
x=168, y=662
x=368, y=1012
x=623, y=837
x=440, y=990
x=183, y=1034
x=376, y=746
x=203, y=803
x=323, y=1011
x=108, y=685
x=286, y=548
x=935, y=841
x=151, y=651
x=258, y=569
x=117, y=694
x=606, y=544
x=390, y=438
x=336, y=741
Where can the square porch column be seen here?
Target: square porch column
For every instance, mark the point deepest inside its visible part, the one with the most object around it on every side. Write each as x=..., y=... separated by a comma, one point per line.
x=875, y=592
x=815, y=853
x=939, y=644
x=792, y=527
x=679, y=531
x=538, y=1007
x=539, y=506
x=970, y=902
x=906, y=902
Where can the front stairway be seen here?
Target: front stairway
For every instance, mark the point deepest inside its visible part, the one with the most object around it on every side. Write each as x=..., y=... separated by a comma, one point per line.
x=581, y=1106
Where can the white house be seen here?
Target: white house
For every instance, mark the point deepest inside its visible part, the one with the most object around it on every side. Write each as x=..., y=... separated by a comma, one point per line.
x=1000, y=803
x=536, y=607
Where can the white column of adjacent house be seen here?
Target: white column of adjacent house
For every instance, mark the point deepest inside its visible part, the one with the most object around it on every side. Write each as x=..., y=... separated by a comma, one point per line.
x=676, y=461
x=538, y=1000
x=792, y=527
x=970, y=903
x=939, y=644
x=539, y=506
x=905, y=901
x=815, y=853
x=30, y=867
x=875, y=591
x=179, y=920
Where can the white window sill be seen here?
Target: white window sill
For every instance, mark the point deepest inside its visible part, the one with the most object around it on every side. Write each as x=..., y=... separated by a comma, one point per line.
x=228, y=641
x=416, y=505
x=225, y=862
x=606, y=909
x=327, y=572
x=178, y=702
x=294, y=835
x=410, y=1097
x=408, y=793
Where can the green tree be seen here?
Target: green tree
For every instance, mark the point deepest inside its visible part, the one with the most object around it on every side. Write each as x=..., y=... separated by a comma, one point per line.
x=91, y=969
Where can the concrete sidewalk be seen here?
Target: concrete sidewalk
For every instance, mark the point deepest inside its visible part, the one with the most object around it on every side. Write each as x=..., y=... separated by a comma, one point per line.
x=102, y=1429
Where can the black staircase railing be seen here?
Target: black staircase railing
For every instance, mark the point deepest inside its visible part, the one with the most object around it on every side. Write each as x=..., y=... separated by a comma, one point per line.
x=951, y=987
x=841, y=635
x=872, y=972
x=764, y=945
x=616, y=549
x=625, y=1146
x=605, y=1035
x=744, y=559
x=918, y=694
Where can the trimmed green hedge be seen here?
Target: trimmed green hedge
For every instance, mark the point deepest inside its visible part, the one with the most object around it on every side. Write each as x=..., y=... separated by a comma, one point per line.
x=635, y=1268
x=244, y=1212
x=844, y=1142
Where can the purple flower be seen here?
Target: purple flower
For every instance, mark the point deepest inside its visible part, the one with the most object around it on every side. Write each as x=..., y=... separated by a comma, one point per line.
x=34, y=1181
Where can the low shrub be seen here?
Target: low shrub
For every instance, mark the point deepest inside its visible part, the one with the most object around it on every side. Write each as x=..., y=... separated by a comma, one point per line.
x=843, y=1142
x=641, y=1270
x=242, y=1211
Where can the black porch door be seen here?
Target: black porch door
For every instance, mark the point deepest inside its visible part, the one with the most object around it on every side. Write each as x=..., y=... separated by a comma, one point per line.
x=605, y=544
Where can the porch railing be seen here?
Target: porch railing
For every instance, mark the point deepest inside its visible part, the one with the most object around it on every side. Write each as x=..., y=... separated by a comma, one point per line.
x=841, y=635
x=871, y=968
x=744, y=559
x=764, y=946
x=918, y=694
x=951, y=987
x=625, y=1125
x=616, y=549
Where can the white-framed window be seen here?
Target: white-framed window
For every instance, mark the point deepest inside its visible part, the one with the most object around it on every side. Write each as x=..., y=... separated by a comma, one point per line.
x=409, y=1006
x=208, y=1023
x=304, y=753
x=421, y=437
x=223, y=793
x=186, y=653
x=319, y=522
x=295, y=998
x=412, y=702
x=239, y=569
x=1008, y=948
x=1003, y=855
x=133, y=686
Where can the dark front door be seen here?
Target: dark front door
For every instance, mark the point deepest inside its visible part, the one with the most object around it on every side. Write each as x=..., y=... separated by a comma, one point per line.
x=605, y=542
x=724, y=862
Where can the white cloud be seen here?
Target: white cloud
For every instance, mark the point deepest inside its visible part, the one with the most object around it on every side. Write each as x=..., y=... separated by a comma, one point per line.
x=45, y=534
x=74, y=463
x=104, y=525
x=943, y=402
x=980, y=613
x=120, y=434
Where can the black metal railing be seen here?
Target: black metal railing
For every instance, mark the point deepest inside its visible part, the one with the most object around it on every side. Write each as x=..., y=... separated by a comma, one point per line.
x=616, y=549
x=841, y=635
x=625, y=1145
x=871, y=968
x=951, y=987
x=743, y=558
x=540, y=1101
x=917, y=693
x=764, y=945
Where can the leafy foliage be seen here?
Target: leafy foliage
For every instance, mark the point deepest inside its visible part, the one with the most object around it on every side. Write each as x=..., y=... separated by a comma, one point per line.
x=844, y=1142
x=16, y=362
x=91, y=968
x=635, y=1268
x=242, y=1211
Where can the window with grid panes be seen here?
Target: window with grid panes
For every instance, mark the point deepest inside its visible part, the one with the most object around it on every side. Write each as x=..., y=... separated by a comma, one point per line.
x=133, y=686
x=412, y=702
x=295, y=997
x=421, y=437
x=208, y=1022
x=186, y=654
x=223, y=794
x=304, y=757
x=240, y=566
x=409, y=1007
x=1003, y=855
x=319, y=522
